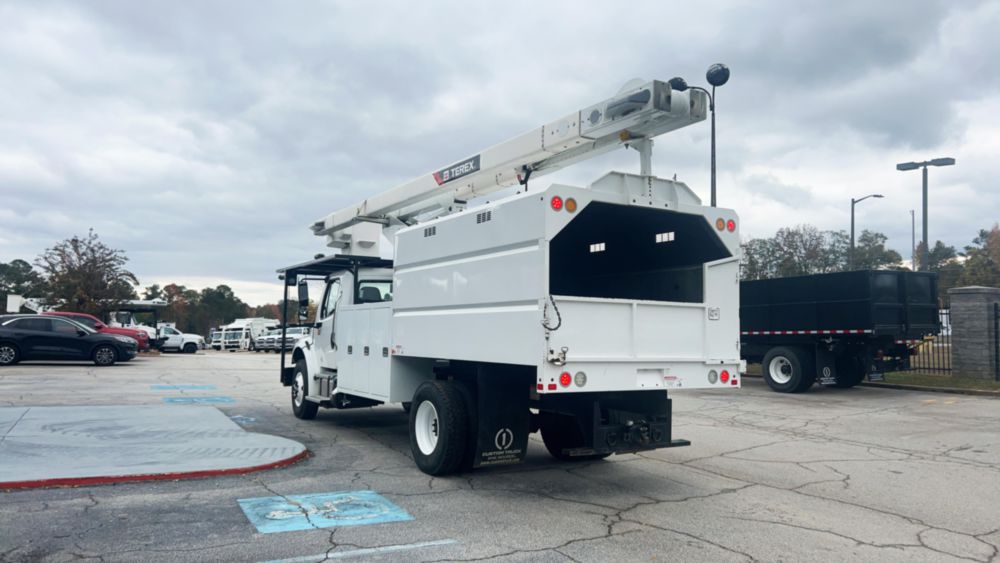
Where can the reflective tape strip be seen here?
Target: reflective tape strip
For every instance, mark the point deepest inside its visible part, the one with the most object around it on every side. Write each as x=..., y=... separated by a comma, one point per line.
x=798, y=332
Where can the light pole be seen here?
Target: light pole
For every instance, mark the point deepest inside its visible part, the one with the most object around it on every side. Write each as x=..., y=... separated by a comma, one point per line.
x=717, y=75
x=850, y=257
x=904, y=166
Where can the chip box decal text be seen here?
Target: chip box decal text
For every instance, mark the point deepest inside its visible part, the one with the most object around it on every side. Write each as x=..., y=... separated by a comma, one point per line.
x=455, y=171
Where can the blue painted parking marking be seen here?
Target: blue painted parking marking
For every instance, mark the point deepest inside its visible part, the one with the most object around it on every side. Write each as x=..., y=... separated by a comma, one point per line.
x=196, y=400
x=183, y=387
x=324, y=510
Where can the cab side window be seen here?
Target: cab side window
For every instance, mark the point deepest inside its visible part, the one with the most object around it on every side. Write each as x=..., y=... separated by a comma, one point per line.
x=330, y=299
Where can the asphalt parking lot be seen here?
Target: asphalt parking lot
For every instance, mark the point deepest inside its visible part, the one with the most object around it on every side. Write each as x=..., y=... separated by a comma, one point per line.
x=833, y=475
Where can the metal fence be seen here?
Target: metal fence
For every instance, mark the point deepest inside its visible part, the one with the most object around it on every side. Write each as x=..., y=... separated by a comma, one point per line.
x=933, y=353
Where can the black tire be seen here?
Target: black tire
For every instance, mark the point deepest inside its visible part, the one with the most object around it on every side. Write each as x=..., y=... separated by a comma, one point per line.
x=788, y=369
x=9, y=354
x=850, y=371
x=560, y=433
x=440, y=416
x=190, y=348
x=252, y=347
x=302, y=408
x=105, y=355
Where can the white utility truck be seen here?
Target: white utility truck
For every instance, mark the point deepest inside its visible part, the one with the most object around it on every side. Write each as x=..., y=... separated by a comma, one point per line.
x=570, y=310
x=242, y=334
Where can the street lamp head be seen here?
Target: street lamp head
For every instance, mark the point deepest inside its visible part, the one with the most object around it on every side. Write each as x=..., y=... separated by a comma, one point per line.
x=942, y=162
x=678, y=83
x=907, y=166
x=717, y=75
x=880, y=196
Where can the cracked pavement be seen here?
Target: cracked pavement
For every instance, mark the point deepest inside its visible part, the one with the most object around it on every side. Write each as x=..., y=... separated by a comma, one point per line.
x=860, y=474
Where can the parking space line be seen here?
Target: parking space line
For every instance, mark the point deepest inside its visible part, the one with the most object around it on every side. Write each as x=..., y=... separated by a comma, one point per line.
x=363, y=552
x=195, y=400
x=182, y=387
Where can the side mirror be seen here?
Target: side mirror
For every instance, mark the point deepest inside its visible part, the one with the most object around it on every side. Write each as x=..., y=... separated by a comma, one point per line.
x=303, y=300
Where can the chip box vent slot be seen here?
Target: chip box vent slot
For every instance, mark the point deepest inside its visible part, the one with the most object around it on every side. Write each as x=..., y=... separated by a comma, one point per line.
x=484, y=217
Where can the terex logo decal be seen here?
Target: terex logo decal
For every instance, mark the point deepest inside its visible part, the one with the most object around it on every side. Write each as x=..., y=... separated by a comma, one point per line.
x=456, y=171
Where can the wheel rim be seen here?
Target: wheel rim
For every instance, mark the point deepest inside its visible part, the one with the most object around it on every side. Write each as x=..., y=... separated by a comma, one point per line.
x=299, y=389
x=7, y=354
x=426, y=427
x=780, y=370
x=105, y=356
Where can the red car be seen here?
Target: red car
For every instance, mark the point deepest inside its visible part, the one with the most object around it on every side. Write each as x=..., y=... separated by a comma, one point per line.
x=93, y=322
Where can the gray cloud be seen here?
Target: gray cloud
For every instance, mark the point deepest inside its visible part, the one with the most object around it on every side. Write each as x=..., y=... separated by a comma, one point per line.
x=204, y=138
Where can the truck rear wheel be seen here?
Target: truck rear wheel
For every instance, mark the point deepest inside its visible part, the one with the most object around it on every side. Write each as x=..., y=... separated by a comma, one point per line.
x=439, y=422
x=850, y=371
x=788, y=369
x=302, y=408
x=561, y=433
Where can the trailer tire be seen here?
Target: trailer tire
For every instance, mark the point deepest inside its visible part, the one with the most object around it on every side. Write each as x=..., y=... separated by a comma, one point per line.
x=850, y=371
x=559, y=433
x=439, y=422
x=302, y=408
x=788, y=369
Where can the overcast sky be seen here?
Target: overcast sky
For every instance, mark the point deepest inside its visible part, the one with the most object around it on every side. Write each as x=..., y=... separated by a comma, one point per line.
x=204, y=137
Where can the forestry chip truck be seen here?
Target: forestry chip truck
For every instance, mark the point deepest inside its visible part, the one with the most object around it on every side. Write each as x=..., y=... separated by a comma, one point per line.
x=569, y=310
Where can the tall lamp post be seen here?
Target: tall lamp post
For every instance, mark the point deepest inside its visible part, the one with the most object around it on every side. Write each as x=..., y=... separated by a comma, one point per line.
x=850, y=257
x=717, y=75
x=904, y=166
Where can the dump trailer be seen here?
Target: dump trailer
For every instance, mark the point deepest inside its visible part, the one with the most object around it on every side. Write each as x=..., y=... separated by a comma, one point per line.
x=570, y=310
x=835, y=329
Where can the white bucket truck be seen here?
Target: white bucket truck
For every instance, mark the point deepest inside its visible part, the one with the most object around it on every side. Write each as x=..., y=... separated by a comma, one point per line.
x=569, y=310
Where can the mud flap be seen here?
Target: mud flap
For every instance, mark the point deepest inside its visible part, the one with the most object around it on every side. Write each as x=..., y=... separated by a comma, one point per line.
x=502, y=416
x=826, y=368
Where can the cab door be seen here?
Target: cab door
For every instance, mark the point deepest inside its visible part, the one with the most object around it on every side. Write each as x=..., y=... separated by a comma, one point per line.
x=326, y=341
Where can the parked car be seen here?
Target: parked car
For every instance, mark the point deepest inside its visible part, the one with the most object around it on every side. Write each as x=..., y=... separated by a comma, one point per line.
x=292, y=335
x=261, y=344
x=94, y=323
x=49, y=337
x=181, y=341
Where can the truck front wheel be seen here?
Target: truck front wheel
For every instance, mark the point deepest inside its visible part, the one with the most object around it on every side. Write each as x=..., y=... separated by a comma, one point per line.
x=561, y=433
x=439, y=423
x=302, y=408
x=788, y=369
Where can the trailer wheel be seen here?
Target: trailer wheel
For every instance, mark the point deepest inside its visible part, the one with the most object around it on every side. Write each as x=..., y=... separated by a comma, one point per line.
x=788, y=369
x=301, y=408
x=438, y=427
x=850, y=371
x=560, y=433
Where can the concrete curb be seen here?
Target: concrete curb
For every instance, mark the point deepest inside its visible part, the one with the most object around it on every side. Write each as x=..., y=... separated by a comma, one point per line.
x=113, y=479
x=904, y=387
x=954, y=390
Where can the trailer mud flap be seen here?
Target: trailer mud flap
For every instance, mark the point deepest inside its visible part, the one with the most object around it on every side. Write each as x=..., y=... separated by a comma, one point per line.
x=503, y=418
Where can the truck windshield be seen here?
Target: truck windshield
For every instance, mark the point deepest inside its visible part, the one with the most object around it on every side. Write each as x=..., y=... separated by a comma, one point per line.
x=626, y=252
x=232, y=334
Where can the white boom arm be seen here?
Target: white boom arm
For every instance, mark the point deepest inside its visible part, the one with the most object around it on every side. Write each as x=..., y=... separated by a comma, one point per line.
x=633, y=116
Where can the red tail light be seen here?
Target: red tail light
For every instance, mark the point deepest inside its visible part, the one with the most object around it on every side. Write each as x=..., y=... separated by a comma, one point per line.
x=724, y=376
x=557, y=203
x=565, y=379
x=552, y=386
x=731, y=225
